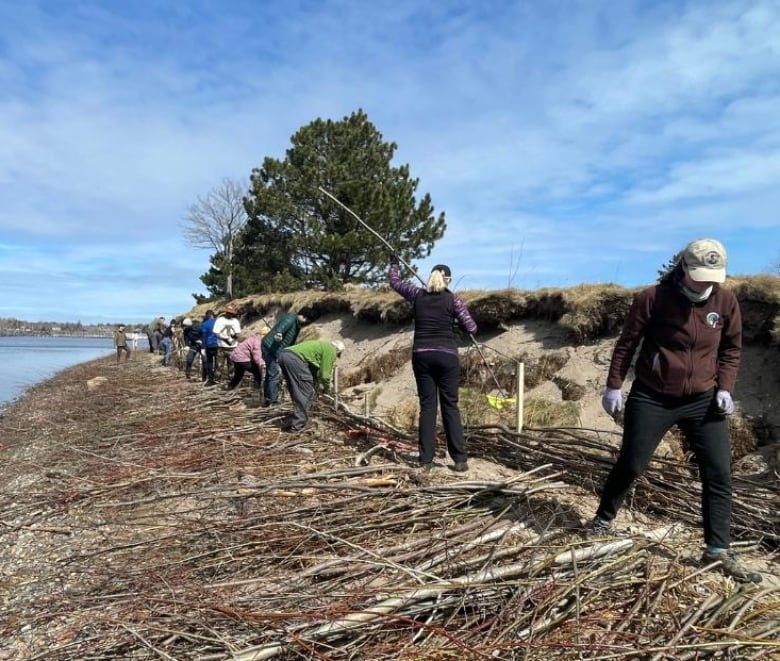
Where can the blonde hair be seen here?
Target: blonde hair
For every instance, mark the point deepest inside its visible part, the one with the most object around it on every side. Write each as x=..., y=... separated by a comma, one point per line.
x=437, y=282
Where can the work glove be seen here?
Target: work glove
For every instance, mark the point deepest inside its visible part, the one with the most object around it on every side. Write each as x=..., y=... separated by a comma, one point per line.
x=724, y=402
x=278, y=337
x=612, y=401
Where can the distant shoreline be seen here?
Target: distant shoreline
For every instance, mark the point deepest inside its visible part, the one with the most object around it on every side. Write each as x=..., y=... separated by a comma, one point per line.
x=6, y=333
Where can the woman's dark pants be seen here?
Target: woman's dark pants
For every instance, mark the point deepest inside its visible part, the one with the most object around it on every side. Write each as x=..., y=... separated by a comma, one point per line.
x=209, y=364
x=437, y=374
x=648, y=417
x=239, y=369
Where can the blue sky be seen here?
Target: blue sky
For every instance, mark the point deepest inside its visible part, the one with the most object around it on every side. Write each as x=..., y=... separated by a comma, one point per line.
x=566, y=141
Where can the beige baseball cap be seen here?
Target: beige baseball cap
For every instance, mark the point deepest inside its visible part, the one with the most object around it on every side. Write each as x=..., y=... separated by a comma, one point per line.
x=704, y=260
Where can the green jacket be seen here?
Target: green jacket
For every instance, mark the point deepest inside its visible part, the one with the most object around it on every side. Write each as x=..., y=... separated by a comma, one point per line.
x=120, y=339
x=320, y=356
x=283, y=334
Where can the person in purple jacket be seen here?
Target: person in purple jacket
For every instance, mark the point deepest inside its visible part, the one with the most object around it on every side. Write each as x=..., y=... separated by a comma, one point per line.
x=247, y=356
x=435, y=359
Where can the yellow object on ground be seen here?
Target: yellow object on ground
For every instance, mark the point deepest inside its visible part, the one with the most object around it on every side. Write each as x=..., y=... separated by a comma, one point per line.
x=500, y=402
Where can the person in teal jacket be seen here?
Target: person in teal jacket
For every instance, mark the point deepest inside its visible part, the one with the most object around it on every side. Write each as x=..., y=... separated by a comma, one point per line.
x=303, y=366
x=283, y=334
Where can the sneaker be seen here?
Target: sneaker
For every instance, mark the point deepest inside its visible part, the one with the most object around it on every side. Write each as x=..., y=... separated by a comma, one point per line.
x=426, y=467
x=730, y=566
x=599, y=528
x=460, y=467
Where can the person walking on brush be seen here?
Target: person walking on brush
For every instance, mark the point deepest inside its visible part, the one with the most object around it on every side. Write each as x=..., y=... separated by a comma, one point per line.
x=435, y=360
x=120, y=344
x=689, y=328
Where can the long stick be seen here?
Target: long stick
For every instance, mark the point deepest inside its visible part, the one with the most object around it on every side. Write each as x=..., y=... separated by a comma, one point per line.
x=383, y=240
x=370, y=229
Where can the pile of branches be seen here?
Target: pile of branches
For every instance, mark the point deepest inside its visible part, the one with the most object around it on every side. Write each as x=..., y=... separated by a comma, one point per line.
x=163, y=520
x=669, y=488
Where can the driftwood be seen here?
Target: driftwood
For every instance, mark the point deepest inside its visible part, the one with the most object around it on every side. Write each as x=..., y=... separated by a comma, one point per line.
x=156, y=519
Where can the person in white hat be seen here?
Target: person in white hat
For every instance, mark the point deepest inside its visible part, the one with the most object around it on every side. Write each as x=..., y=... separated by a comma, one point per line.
x=303, y=365
x=688, y=331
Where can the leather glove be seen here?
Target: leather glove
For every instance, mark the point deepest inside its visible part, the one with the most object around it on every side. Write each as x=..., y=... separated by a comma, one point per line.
x=724, y=402
x=278, y=337
x=612, y=401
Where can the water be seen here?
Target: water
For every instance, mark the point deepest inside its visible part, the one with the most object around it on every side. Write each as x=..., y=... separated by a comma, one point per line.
x=25, y=361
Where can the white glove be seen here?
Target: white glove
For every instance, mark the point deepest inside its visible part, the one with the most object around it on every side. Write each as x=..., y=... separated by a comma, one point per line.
x=724, y=402
x=612, y=401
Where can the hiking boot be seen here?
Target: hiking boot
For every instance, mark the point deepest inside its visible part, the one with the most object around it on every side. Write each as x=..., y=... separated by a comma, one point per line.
x=460, y=467
x=730, y=566
x=599, y=528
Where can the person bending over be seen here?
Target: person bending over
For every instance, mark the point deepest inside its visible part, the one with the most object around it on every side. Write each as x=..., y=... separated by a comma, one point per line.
x=304, y=365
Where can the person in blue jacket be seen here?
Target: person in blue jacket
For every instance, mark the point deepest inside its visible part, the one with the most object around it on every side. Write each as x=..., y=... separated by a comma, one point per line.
x=210, y=346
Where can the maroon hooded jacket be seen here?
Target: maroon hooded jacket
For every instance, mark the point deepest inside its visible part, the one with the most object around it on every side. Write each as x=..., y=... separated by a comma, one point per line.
x=687, y=348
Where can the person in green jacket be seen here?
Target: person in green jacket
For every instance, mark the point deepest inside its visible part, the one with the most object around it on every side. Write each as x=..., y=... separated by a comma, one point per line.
x=303, y=366
x=120, y=343
x=283, y=334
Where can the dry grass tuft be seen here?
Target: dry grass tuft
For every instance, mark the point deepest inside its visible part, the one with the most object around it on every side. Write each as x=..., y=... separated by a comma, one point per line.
x=404, y=414
x=596, y=310
x=570, y=391
x=475, y=373
x=379, y=367
x=492, y=309
x=543, y=413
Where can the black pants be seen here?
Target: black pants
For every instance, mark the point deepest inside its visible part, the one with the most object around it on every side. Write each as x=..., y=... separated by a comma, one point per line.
x=239, y=369
x=648, y=417
x=209, y=363
x=192, y=353
x=437, y=374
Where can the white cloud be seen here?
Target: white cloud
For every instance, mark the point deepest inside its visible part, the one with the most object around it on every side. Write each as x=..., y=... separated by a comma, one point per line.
x=553, y=130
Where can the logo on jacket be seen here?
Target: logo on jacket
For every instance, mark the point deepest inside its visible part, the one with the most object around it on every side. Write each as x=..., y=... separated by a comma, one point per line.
x=712, y=319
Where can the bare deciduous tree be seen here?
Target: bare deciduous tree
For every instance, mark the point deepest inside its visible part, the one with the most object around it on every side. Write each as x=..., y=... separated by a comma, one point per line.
x=214, y=222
